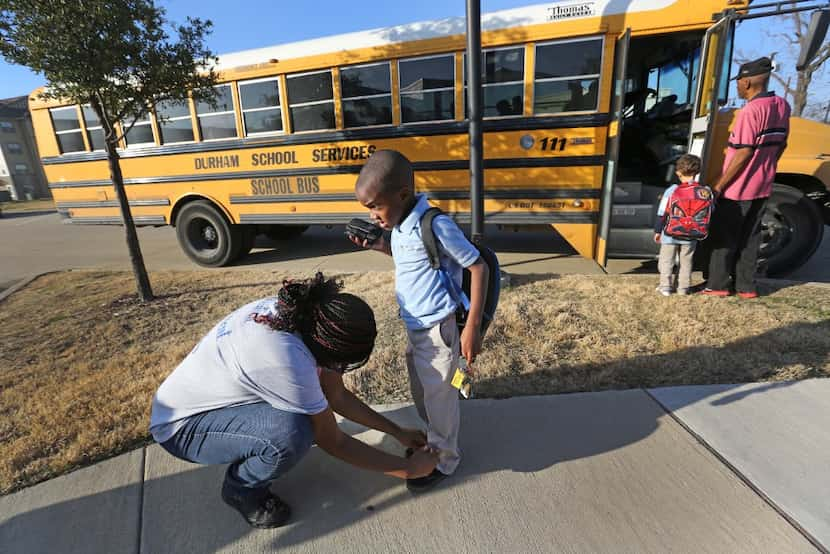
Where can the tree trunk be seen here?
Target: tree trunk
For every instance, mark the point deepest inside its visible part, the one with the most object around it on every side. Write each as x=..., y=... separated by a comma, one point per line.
x=145, y=292
x=802, y=85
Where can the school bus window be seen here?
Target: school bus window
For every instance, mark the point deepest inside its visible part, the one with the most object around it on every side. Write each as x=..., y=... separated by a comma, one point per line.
x=502, y=81
x=261, y=112
x=217, y=120
x=94, y=129
x=67, y=129
x=141, y=134
x=567, y=76
x=427, y=88
x=174, y=121
x=367, y=95
x=311, y=101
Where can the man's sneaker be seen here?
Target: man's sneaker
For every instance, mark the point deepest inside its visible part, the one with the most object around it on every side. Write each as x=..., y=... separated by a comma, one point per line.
x=423, y=484
x=712, y=292
x=259, y=507
x=748, y=295
x=664, y=291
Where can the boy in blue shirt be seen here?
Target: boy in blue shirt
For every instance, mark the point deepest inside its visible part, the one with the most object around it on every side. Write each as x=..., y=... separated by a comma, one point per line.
x=687, y=168
x=386, y=187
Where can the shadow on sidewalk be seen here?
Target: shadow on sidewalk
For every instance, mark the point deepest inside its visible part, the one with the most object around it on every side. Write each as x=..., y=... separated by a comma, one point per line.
x=184, y=513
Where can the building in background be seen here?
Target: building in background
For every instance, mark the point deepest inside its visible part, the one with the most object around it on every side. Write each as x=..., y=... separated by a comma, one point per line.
x=21, y=175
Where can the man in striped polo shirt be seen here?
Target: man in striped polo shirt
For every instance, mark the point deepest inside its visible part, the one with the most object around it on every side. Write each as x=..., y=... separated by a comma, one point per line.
x=757, y=141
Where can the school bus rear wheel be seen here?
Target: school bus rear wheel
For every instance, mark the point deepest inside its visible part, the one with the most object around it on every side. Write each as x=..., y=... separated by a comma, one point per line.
x=206, y=236
x=792, y=229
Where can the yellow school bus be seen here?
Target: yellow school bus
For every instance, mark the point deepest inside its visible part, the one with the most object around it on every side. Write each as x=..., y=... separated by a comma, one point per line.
x=586, y=106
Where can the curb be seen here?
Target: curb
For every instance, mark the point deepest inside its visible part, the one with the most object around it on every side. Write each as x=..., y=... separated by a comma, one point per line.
x=23, y=283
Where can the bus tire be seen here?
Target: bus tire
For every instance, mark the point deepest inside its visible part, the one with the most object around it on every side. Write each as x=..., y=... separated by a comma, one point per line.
x=792, y=228
x=285, y=232
x=206, y=236
x=249, y=234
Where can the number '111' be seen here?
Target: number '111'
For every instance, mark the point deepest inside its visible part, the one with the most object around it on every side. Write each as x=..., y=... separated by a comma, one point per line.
x=553, y=142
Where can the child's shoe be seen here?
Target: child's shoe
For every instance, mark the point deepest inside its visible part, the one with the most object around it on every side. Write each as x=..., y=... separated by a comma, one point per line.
x=423, y=484
x=683, y=292
x=665, y=291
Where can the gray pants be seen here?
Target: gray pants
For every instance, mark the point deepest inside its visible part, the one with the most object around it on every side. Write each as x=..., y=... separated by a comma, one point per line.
x=666, y=265
x=431, y=358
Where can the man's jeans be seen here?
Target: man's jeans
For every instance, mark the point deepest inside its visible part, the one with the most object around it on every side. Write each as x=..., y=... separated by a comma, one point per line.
x=260, y=442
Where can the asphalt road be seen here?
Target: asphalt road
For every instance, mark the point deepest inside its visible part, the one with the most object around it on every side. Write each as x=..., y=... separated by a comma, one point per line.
x=39, y=242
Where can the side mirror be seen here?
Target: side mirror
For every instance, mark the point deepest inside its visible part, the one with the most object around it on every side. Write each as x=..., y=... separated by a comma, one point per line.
x=816, y=33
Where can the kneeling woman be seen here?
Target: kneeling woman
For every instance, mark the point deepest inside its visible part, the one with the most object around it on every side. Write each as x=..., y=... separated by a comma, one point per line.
x=262, y=386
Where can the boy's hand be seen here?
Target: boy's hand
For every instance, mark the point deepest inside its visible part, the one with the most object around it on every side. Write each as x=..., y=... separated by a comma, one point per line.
x=657, y=238
x=411, y=438
x=470, y=343
x=379, y=244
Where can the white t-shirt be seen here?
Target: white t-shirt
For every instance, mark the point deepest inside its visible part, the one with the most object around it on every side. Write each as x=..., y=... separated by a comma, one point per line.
x=240, y=361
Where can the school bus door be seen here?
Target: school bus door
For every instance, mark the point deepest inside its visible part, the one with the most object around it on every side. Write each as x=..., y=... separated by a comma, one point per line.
x=712, y=79
x=613, y=147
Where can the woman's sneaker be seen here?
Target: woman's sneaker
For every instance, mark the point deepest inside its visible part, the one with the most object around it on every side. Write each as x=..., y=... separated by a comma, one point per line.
x=259, y=507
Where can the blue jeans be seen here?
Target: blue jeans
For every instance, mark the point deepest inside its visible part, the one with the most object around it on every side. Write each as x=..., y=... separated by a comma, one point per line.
x=260, y=442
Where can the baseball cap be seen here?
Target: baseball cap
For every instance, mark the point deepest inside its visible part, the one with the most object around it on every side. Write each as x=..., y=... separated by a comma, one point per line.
x=761, y=66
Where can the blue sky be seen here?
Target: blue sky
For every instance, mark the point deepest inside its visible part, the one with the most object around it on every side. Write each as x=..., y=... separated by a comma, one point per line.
x=245, y=24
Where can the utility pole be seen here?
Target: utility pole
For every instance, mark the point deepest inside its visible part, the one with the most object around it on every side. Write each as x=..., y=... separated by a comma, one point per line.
x=474, y=99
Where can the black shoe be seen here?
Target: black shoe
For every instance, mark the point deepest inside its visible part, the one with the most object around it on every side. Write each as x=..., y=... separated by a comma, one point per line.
x=423, y=484
x=409, y=452
x=260, y=508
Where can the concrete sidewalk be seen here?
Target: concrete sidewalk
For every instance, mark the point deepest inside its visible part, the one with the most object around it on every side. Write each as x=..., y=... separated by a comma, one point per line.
x=731, y=469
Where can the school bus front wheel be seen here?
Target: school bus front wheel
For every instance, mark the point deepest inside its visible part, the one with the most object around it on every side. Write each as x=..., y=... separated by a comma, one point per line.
x=206, y=236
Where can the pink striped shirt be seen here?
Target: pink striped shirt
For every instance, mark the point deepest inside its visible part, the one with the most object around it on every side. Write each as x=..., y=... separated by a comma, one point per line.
x=762, y=125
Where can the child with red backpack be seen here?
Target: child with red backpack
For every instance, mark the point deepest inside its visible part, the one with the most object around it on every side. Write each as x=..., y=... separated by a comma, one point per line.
x=682, y=220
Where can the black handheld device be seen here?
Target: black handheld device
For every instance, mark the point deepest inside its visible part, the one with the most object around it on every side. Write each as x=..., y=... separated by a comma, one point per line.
x=363, y=230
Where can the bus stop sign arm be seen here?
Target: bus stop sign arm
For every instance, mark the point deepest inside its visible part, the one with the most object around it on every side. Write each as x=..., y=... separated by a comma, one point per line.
x=474, y=98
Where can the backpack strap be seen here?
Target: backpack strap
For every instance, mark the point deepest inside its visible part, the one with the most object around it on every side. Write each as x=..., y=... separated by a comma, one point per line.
x=428, y=237
x=431, y=246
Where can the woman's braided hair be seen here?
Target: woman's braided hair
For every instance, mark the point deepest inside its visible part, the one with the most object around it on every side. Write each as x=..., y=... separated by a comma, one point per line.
x=339, y=328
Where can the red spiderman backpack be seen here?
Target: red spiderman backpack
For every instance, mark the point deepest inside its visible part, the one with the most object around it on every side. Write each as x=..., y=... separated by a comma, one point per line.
x=688, y=212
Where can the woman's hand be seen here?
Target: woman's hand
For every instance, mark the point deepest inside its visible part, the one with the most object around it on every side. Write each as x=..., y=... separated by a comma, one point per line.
x=411, y=438
x=421, y=463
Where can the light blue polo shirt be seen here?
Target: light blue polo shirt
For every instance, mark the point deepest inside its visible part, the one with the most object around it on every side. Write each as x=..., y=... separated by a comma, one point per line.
x=423, y=298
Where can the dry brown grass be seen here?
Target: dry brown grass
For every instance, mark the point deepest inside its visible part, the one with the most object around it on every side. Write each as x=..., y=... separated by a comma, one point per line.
x=80, y=360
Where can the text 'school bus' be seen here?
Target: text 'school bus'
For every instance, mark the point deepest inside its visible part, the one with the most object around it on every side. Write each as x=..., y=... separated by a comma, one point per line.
x=586, y=108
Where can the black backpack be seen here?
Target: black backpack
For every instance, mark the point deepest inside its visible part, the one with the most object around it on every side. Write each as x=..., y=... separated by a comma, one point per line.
x=491, y=298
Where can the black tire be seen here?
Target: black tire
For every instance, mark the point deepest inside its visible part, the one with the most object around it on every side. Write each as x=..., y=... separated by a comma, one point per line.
x=792, y=229
x=206, y=236
x=249, y=233
x=285, y=232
